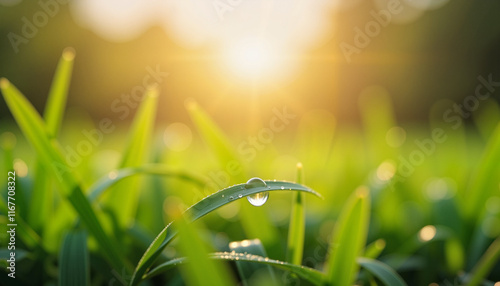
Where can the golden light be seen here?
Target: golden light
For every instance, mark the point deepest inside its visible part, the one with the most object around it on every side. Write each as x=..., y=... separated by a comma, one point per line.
x=427, y=233
x=21, y=168
x=386, y=171
x=252, y=58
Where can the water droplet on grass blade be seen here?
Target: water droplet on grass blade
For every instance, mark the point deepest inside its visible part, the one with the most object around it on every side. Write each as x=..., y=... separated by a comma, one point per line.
x=260, y=198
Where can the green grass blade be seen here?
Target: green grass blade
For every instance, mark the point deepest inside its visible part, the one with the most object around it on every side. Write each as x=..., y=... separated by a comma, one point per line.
x=309, y=274
x=374, y=249
x=56, y=102
x=383, y=272
x=297, y=226
x=202, y=270
x=255, y=222
x=246, y=269
x=348, y=240
x=124, y=196
x=74, y=266
x=204, y=207
x=485, y=264
x=41, y=200
x=48, y=151
x=481, y=185
x=116, y=176
x=210, y=132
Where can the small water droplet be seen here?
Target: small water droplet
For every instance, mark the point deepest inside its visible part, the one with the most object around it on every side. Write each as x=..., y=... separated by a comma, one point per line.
x=222, y=195
x=240, y=195
x=260, y=198
x=282, y=187
x=231, y=198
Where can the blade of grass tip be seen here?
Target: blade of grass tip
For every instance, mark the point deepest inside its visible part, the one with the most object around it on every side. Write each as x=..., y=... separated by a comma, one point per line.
x=124, y=196
x=297, y=226
x=348, y=240
x=58, y=94
x=48, y=150
x=210, y=132
x=481, y=184
x=201, y=270
x=485, y=264
x=41, y=200
x=247, y=269
x=74, y=267
x=255, y=222
x=374, y=249
x=205, y=206
x=309, y=274
x=383, y=272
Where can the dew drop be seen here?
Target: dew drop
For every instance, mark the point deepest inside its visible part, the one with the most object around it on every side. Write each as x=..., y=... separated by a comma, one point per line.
x=231, y=198
x=222, y=195
x=260, y=198
x=282, y=187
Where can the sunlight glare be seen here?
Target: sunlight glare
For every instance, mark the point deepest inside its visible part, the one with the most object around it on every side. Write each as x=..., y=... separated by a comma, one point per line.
x=252, y=58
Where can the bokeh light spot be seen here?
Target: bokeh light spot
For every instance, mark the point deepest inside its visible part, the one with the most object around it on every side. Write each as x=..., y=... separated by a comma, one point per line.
x=427, y=233
x=21, y=168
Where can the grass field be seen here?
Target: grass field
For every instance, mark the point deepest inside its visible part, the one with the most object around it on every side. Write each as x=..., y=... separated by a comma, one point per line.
x=99, y=204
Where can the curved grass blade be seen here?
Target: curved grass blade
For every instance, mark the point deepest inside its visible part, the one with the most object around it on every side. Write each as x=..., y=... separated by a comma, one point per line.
x=123, y=197
x=74, y=268
x=296, y=230
x=48, y=150
x=204, y=207
x=246, y=269
x=114, y=177
x=485, y=264
x=348, y=240
x=41, y=201
x=312, y=275
x=383, y=272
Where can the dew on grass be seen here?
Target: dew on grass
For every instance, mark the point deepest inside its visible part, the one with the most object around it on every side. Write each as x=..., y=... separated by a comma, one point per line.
x=260, y=198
